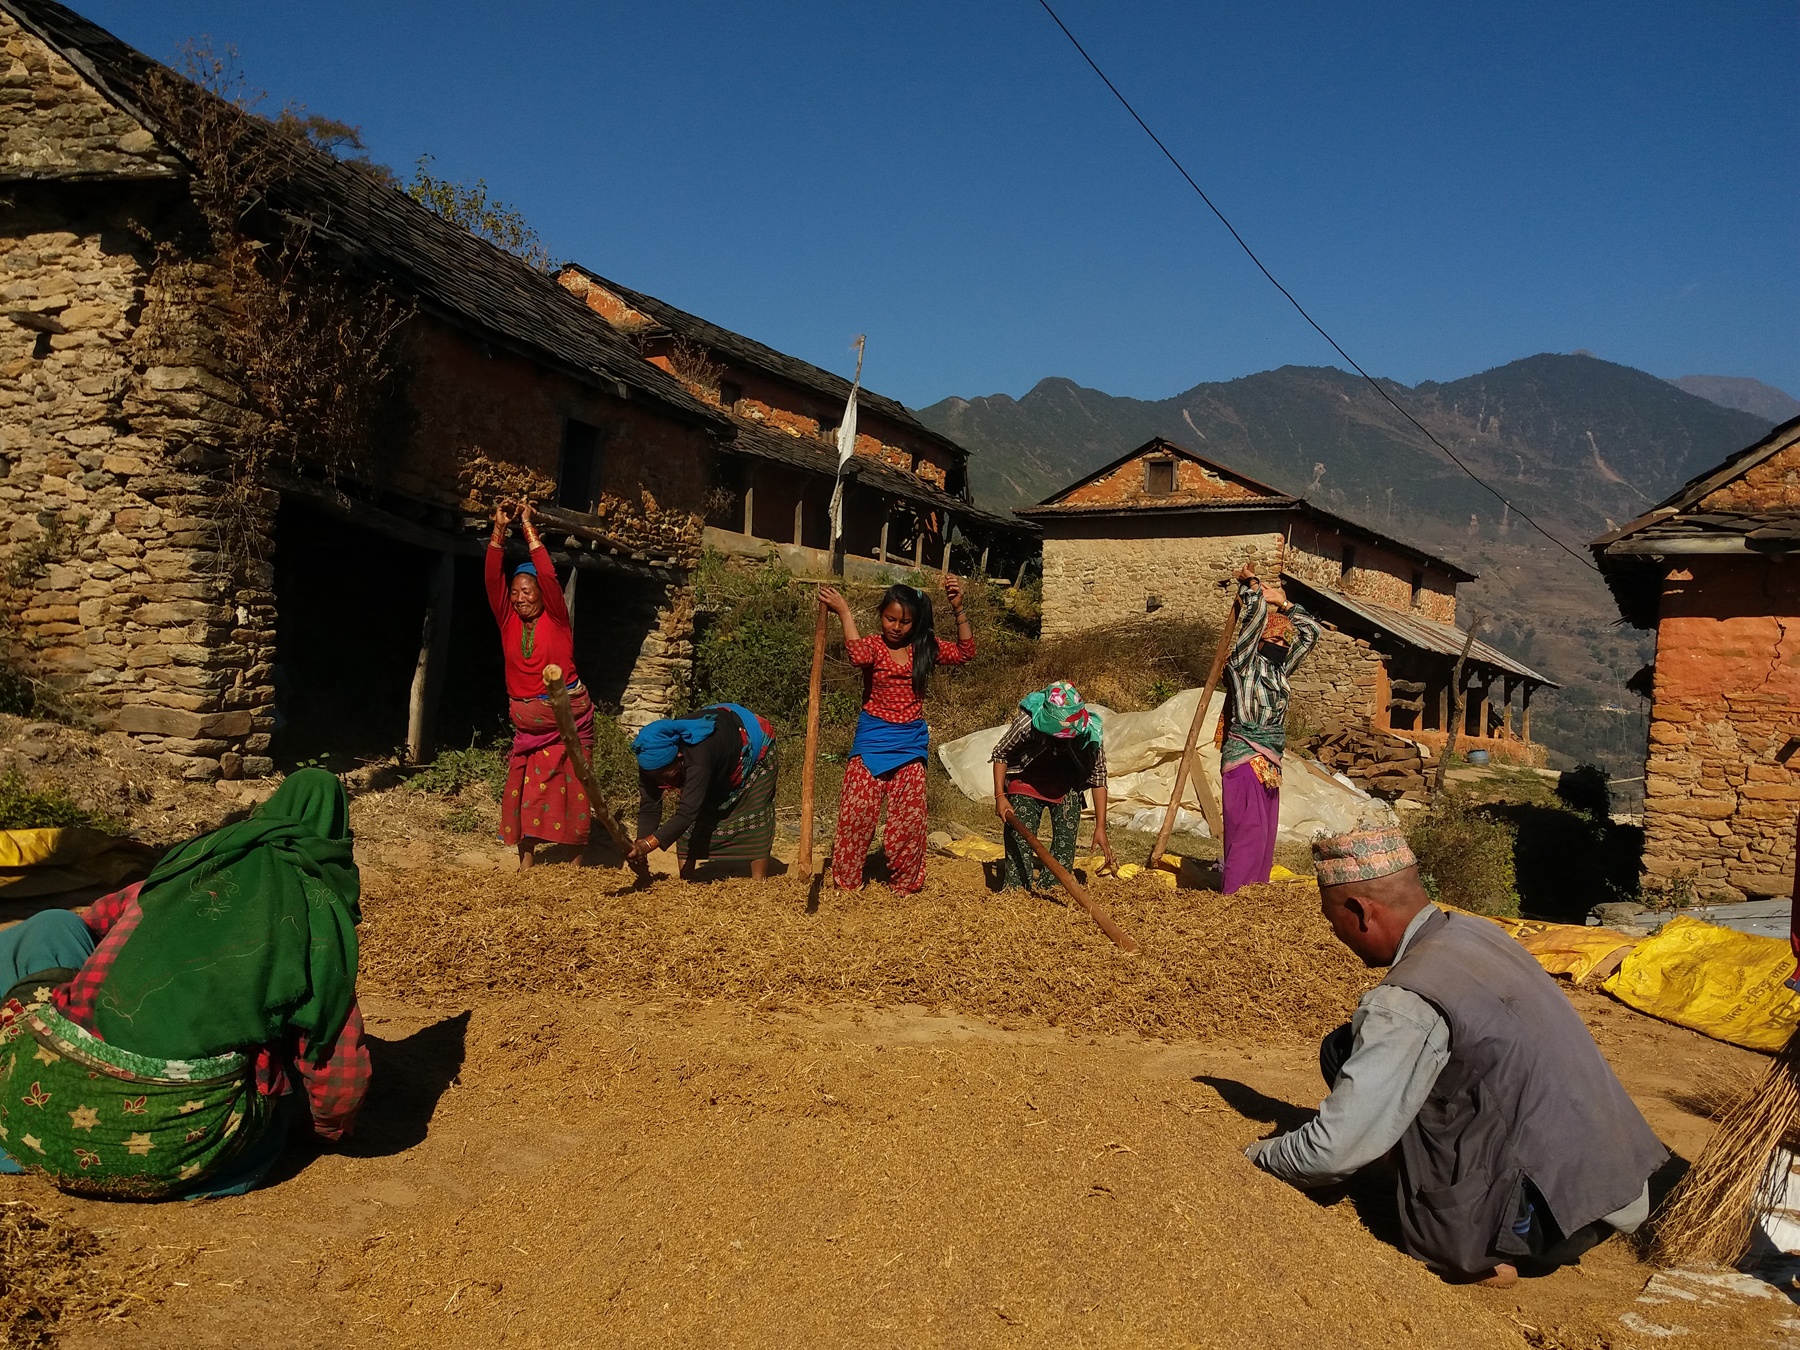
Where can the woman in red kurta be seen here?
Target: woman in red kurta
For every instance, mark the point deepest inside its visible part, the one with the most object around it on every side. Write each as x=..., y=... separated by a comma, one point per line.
x=544, y=799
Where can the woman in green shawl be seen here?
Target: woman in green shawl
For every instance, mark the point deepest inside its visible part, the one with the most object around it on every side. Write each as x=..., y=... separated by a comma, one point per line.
x=156, y=1045
x=1045, y=761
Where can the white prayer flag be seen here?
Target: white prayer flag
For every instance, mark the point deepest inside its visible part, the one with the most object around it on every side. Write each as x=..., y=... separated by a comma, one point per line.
x=846, y=441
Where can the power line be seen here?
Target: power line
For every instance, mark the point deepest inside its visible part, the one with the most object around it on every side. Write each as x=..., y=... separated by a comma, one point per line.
x=1251, y=254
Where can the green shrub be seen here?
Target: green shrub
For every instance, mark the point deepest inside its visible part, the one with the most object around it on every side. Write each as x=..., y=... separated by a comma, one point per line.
x=453, y=770
x=1466, y=857
x=1586, y=789
x=25, y=808
x=16, y=693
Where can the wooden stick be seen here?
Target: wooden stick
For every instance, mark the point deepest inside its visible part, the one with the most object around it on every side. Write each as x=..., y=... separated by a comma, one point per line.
x=1456, y=717
x=1074, y=888
x=565, y=723
x=1208, y=806
x=804, y=859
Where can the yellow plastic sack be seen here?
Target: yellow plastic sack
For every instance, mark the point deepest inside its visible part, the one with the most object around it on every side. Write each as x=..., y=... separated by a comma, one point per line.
x=1721, y=983
x=977, y=850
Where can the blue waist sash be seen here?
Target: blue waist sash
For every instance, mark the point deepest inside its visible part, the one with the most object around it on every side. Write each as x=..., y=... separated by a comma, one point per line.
x=885, y=746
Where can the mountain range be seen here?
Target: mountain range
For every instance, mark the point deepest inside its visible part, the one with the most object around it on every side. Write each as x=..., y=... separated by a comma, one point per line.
x=1572, y=442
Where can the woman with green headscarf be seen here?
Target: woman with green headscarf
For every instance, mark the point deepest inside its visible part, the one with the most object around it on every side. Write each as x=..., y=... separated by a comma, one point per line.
x=155, y=1046
x=1050, y=755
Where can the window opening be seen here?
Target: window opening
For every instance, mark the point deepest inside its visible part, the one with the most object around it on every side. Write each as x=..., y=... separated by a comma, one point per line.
x=1159, y=477
x=1349, y=558
x=730, y=393
x=578, y=468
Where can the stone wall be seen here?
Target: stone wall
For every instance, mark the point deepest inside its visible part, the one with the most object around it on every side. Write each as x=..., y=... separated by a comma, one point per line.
x=1103, y=572
x=1720, y=799
x=1335, y=688
x=113, y=435
x=1316, y=555
x=1193, y=483
x=665, y=663
x=53, y=123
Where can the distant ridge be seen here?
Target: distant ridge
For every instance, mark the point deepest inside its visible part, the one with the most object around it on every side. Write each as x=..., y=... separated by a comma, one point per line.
x=1576, y=441
x=1746, y=395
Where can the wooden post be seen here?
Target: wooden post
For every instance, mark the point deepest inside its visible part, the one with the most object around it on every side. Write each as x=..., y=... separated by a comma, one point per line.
x=1019, y=580
x=1456, y=681
x=945, y=565
x=1444, y=709
x=750, y=502
x=578, y=760
x=1481, y=710
x=1507, y=685
x=434, y=647
x=887, y=515
x=804, y=860
x=1525, y=713
x=1074, y=888
x=982, y=565
x=1214, y=821
x=568, y=590
x=919, y=543
x=800, y=519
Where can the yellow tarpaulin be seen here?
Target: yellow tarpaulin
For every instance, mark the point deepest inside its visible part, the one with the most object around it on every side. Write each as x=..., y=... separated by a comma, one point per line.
x=46, y=862
x=1722, y=983
x=1570, y=949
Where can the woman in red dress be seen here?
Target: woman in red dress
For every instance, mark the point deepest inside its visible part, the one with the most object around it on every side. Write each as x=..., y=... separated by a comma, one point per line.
x=544, y=799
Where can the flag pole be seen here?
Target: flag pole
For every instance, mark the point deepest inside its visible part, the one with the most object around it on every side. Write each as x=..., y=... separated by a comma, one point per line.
x=814, y=689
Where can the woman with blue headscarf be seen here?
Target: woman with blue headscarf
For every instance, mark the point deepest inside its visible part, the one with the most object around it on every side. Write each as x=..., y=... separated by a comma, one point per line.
x=722, y=761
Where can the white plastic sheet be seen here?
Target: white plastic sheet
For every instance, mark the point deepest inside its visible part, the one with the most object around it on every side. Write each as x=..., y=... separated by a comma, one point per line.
x=1143, y=754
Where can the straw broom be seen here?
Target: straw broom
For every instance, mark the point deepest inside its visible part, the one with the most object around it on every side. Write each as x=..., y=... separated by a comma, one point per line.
x=1741, y=1173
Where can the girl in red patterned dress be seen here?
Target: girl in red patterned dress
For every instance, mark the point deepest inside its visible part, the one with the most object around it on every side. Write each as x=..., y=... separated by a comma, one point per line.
x=887, y=759
x=544, y=799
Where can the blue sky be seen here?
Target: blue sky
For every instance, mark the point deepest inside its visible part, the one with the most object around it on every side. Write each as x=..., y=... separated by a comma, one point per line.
x=1446, y=187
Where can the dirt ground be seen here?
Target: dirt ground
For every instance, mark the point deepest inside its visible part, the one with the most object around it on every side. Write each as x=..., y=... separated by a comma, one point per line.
x=733, y=1115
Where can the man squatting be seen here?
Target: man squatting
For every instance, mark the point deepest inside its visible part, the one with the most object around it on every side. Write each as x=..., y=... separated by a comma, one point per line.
x=1518, y=1147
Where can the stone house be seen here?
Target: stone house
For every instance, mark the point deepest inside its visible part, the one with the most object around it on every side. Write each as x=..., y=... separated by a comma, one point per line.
x=1714, y=571
x=1161, y=531
x=258, y=402
x=906, y=498
x=175, y=578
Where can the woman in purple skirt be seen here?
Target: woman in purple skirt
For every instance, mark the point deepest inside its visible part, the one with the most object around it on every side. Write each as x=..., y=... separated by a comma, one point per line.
x=1273, y=636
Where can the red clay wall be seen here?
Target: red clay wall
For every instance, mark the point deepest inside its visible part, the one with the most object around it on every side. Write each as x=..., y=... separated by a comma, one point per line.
x=1127, y=486
x=1719, y=805
x=1773, y=483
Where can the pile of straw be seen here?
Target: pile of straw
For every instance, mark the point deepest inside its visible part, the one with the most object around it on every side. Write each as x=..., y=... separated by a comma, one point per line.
x=1262, y=963
x=48, y=1273
x=1712, y=1216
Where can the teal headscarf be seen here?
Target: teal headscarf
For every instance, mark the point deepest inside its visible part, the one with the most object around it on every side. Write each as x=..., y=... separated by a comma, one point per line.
x=657, y=744
x=1057, y=710
x=248, y=933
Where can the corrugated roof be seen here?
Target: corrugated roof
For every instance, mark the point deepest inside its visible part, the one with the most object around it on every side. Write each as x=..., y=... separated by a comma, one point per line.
x=1445, y=639
x=384, y=233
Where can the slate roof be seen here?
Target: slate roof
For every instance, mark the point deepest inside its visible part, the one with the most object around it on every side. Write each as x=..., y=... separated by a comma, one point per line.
x=816, y=456
x=750, y=352
x=1674, y=526
x=1053, y=507
x=382, y=232
x=1442, y=639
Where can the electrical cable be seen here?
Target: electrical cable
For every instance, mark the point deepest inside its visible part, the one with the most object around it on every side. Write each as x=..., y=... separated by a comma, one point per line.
x=1301, y=309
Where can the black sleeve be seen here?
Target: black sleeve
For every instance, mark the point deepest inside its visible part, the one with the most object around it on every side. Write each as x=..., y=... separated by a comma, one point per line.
x=649, y=805
x=709, y=765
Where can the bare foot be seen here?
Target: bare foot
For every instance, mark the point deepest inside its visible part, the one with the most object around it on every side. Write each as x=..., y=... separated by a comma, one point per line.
x=759, y=870
x=1504, y=1277
x=526, y=857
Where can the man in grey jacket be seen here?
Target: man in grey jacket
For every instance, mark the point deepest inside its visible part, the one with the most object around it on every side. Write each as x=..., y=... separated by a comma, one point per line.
x=1517, y=1146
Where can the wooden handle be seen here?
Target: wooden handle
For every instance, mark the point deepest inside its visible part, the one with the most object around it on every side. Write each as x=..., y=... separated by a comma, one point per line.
x=1075, y=888
x=578, y=760
x=1207, y=805
x=804, y=859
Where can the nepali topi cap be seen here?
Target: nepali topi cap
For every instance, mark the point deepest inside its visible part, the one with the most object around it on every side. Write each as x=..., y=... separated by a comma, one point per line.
x=1361, y=855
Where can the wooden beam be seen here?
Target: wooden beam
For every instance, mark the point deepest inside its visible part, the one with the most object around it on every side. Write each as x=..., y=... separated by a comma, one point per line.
x=434, y=649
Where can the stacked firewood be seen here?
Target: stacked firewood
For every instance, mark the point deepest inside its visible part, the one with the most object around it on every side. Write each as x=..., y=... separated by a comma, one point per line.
x=1382, y=764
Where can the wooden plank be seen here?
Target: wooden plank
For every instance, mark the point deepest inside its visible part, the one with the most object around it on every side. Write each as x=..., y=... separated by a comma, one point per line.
x=434, y=649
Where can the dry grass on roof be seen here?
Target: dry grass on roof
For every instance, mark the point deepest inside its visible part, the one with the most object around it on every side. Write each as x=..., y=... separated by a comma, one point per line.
x=1260, y=964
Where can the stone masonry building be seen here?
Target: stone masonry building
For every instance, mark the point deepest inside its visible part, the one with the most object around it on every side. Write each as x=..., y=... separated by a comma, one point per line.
x=1714, y=571
x=1162, y=531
